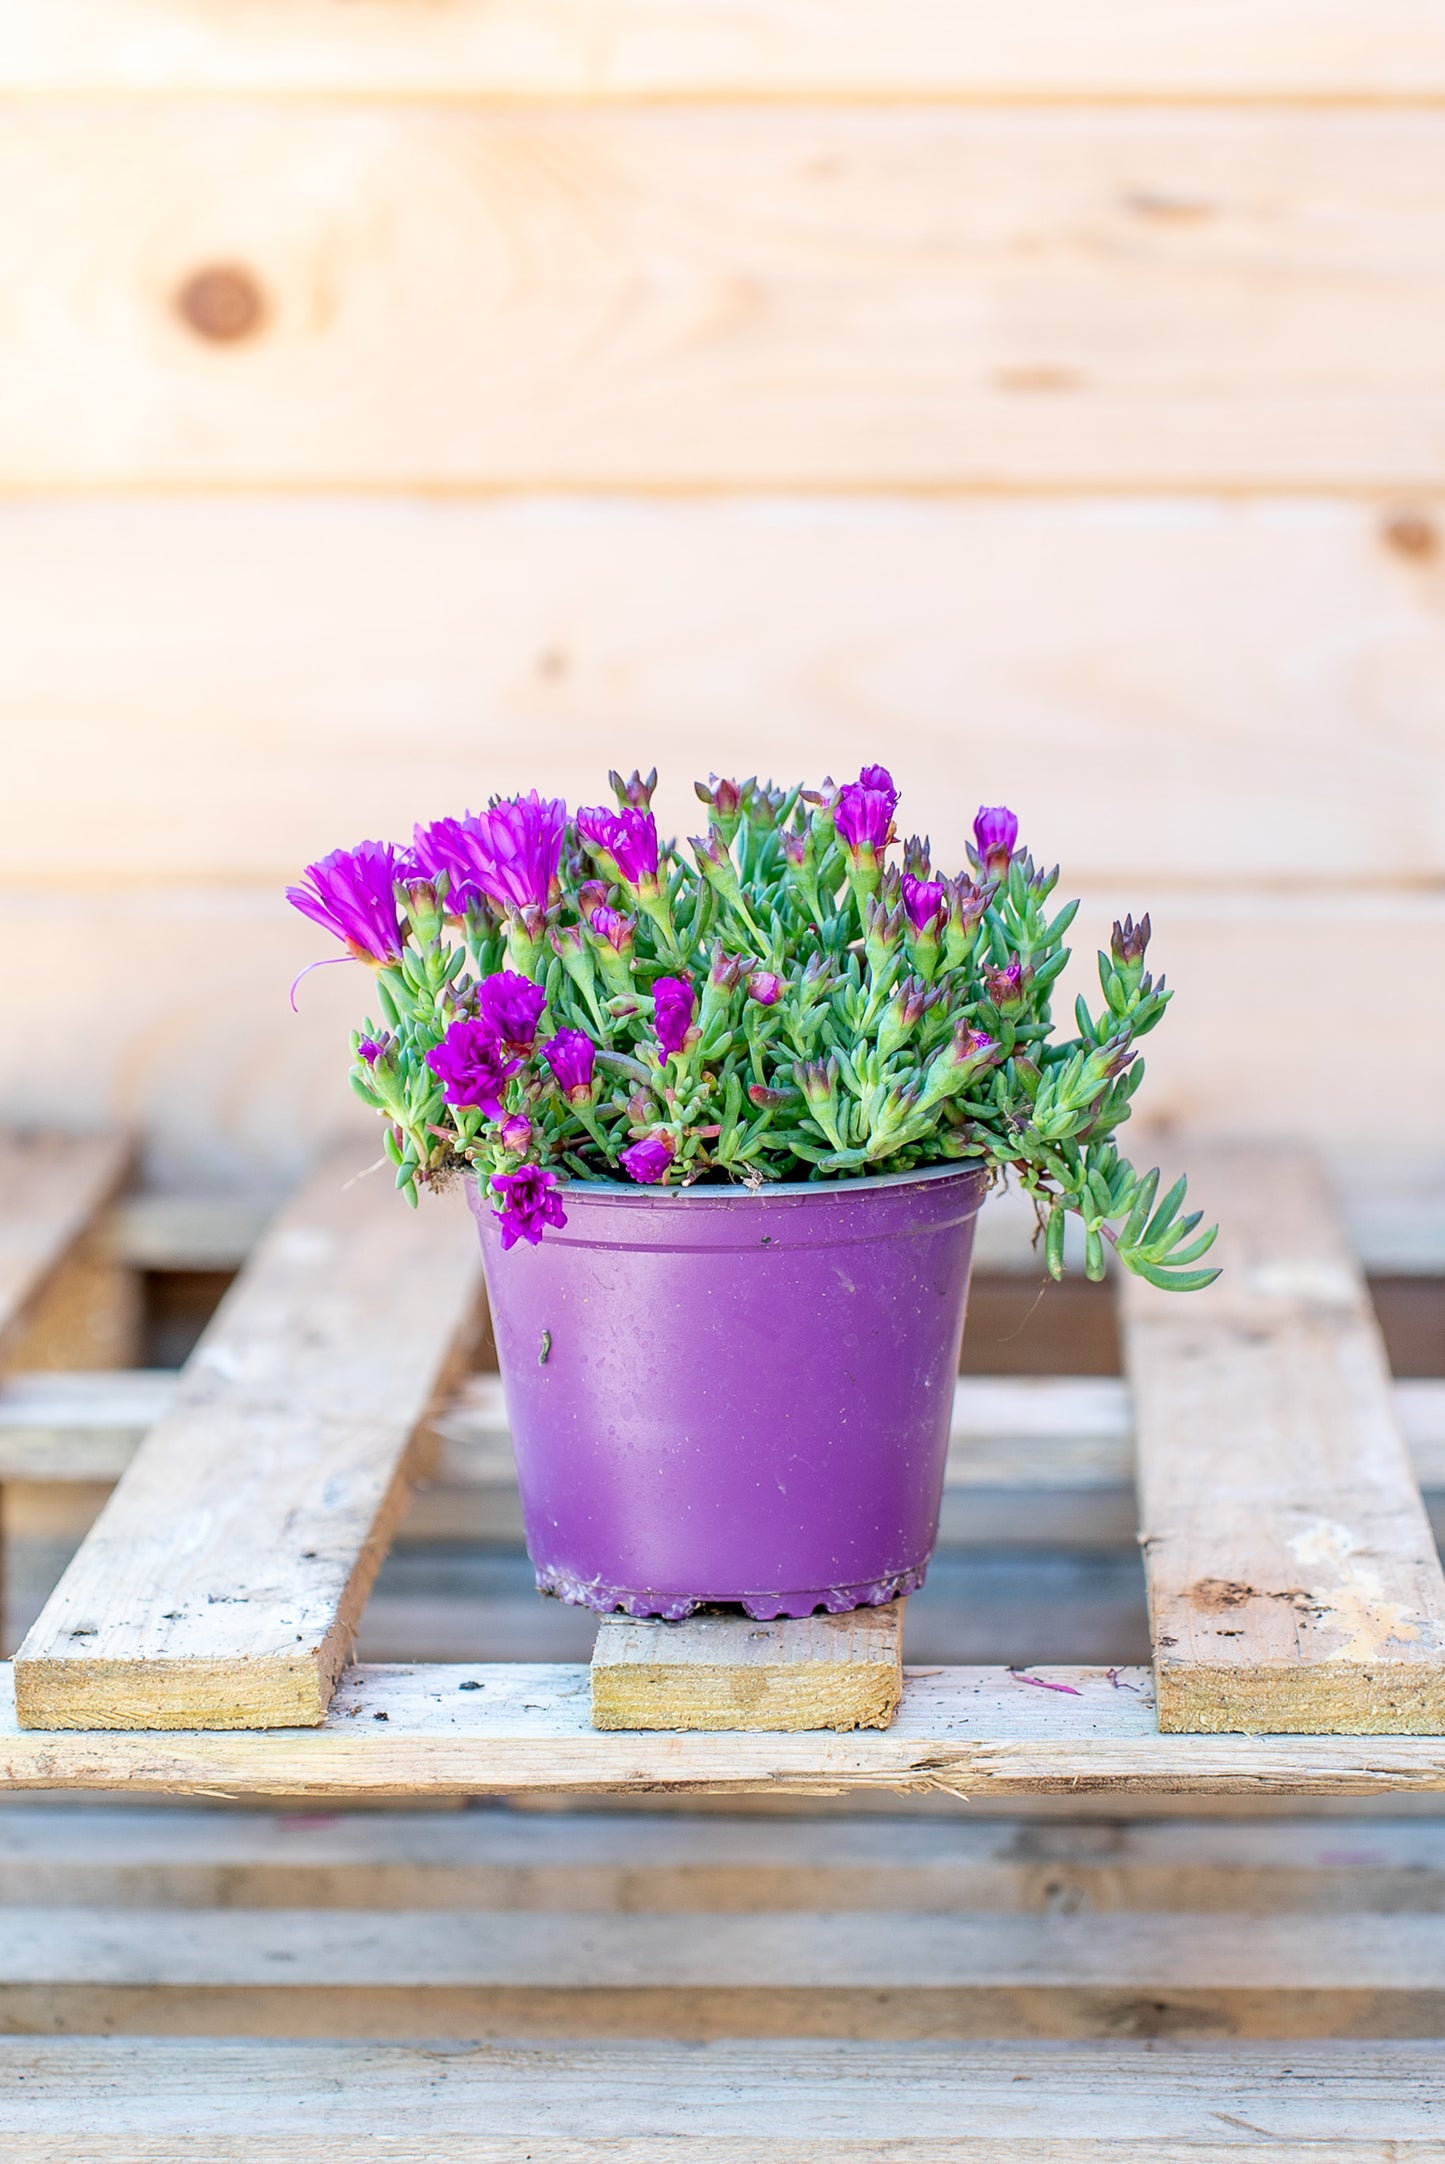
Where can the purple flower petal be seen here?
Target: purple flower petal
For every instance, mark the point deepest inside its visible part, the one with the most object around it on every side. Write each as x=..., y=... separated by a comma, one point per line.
x=647, y=1161
x=508, y=854
x=571, y=1055
x=472, y=1067
x=863, y=815
x=626, y=839
x=511, y=1007
x=530, y=1203
x=352, y=893
x=673, y=1001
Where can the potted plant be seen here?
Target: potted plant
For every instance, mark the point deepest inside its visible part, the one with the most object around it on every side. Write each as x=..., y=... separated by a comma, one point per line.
x=726, y=1124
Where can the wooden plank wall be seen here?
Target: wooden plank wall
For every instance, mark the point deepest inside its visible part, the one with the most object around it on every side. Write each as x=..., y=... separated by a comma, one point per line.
x=403, y=402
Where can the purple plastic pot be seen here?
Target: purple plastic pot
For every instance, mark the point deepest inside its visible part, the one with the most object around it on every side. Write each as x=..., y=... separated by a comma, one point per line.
x=718, y=1395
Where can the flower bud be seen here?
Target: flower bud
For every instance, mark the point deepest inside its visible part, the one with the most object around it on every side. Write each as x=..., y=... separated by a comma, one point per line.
x=817, y=1079
x=917, y=857
x=765, y=987
x=1007, y=986
x=634, y=793
x=995, y=830
x=516, y=1135
x=1128, y=943
x=966, y=906
x=882, y=934
x=724, y=800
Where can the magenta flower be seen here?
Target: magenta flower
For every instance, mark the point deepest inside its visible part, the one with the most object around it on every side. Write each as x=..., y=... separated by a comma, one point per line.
x=509, y=853
x=353, y=894
x=369, y=1050
x=572, y=1055
x=511, y=1006
x=450, y=846
x=472, y=1067
x=673, y=1001
x=996, y=829
x=647, y=1162
x=530, y=1203
x=864, y=812
x=616, y=930
x=623, y=842
x=926, y=901
x=765, y=988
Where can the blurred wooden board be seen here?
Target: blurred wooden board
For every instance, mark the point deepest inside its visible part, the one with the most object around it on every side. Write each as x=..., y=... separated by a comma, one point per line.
x=728, y=1672
x=55, y=1277
x=109, y=2100
x=719, y=298
x=222, y=1583
x=399, y=1973
x=497, y=1729
x=926, y=49
x=542, y=640
x=1294, y=1584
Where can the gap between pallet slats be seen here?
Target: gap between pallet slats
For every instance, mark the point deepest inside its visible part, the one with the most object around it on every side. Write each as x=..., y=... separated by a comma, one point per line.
x=1293, y=1581
x=222, y=1584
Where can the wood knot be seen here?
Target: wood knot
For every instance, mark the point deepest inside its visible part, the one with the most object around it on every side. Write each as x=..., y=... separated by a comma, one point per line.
x=222, y=303
x=1412, y=534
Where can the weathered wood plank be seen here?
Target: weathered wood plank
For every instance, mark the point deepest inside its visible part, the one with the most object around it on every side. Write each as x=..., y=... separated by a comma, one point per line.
x=558, y=1950
x=764, y=298
x=831, y=1671
x=52, y=1188
x=137, y=1856
x=530, y=640
x=926, y=49
x=222, y=1583
x=83, y=2101
x=501, y=1729
x=1293, y=1581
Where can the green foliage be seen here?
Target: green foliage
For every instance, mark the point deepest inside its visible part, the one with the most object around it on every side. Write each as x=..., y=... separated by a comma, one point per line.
x=850, y=1018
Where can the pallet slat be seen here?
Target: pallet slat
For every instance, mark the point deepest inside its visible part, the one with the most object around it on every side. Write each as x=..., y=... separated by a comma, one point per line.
x=221, y=1585
x=502, y=1729
x=555, y=1950
x=1294, y=1584
x=52, y=1188
x=764, y=298
x=727, y=1672
x=82, y=2101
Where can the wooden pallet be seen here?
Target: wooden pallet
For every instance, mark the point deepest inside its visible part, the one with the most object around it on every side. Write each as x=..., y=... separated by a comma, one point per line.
x=1293, y=1580
x=1005, y=1977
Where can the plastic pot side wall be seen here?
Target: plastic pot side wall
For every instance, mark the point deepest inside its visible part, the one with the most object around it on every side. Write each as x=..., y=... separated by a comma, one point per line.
x=719, y=1395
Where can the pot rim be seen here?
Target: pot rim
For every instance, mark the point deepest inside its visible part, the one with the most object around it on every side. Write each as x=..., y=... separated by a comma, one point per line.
x=720, y=1193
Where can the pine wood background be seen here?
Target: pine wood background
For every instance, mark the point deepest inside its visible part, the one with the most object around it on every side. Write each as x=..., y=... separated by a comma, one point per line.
x=406, y=399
